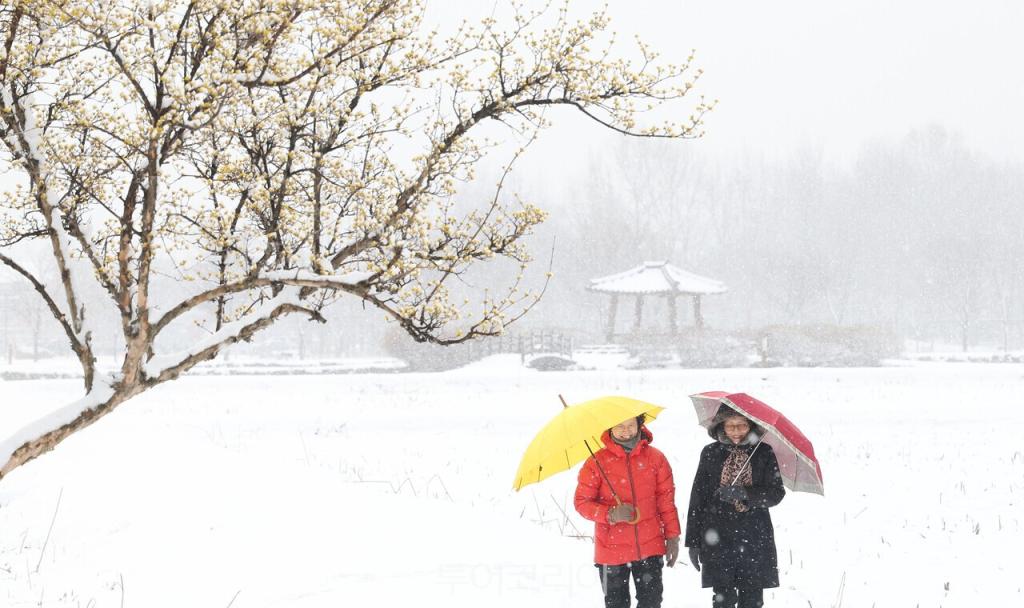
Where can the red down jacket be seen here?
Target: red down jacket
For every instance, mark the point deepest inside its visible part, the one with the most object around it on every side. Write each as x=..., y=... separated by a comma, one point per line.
x=642, y=478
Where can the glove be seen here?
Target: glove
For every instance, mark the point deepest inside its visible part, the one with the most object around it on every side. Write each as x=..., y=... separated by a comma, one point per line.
x=672, y=551
x=695, y=558
x=731, y=493
x=621, y=513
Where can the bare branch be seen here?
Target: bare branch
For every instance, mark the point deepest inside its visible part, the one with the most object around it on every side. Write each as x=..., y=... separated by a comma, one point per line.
x=80, y=349
x=228, y=336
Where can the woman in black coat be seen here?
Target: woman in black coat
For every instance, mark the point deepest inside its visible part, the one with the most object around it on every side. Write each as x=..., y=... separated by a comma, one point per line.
x=729, y=531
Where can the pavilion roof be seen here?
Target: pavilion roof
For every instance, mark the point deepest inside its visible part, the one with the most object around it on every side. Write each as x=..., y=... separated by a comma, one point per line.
x=652, y=278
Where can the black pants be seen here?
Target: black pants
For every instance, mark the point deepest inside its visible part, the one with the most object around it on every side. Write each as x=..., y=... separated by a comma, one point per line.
x=726, y=597
x=646, y=579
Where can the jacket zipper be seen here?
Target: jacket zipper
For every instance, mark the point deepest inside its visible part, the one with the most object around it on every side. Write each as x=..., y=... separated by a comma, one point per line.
x=632, y=492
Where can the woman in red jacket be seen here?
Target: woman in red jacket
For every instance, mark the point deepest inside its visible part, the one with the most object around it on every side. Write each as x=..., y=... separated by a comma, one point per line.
x=627, y=490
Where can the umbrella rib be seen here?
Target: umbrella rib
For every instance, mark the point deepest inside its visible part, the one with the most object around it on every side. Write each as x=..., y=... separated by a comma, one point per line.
x=770, y=428
x=806, y=460
x=799, y=454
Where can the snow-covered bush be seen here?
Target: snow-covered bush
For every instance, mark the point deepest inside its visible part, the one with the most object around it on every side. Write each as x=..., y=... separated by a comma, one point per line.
x=825, y=345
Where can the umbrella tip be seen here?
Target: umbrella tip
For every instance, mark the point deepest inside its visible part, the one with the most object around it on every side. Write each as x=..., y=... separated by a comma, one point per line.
x=564, y=404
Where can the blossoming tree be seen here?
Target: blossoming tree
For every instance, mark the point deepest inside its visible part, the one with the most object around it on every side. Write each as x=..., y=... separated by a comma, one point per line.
x=273, y=156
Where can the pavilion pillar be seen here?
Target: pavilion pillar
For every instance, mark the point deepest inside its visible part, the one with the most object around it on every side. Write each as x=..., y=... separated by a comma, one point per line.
x=610, y=333
x=639, y=314
x=673, y=314
x=698, y=318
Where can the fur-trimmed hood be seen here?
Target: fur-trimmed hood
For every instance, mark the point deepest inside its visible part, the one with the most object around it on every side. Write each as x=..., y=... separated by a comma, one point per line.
x=716, y=432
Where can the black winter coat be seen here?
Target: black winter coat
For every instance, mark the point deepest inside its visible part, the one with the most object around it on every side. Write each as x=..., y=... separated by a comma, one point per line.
x=737, y=549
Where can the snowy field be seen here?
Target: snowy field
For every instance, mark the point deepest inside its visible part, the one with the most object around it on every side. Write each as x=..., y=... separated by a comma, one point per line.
x=395, y=490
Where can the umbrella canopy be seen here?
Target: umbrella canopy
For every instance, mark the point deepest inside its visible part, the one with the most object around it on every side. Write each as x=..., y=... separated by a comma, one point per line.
x=574, y=434
x=797, y=463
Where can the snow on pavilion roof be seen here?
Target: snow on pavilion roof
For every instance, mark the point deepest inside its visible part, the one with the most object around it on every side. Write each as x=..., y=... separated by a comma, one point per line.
x=657, y=278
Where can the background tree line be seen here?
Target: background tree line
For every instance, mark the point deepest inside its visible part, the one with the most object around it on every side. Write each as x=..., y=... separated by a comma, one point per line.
x=920, y=235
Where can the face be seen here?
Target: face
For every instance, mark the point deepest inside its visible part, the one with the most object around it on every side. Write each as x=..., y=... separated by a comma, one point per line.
x=625, y=430
x=736, y=428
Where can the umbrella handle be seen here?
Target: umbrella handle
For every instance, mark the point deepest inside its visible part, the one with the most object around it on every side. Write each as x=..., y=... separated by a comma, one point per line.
x=615, y=495
x=749, y=458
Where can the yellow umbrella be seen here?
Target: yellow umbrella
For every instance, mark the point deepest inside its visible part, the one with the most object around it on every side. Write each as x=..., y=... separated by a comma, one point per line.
x=574, y=434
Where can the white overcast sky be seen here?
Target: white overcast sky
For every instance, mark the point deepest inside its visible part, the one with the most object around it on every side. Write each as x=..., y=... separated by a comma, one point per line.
x=832, y=75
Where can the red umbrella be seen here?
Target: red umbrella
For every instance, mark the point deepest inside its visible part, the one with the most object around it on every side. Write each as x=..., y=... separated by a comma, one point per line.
x=797, y=463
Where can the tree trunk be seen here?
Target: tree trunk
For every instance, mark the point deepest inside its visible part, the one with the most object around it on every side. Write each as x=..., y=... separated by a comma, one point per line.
x=41, y=444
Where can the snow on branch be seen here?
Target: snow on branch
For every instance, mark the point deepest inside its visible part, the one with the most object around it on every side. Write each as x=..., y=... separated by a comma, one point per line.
x=303, y=278
x=103, y=390
x=165, y=367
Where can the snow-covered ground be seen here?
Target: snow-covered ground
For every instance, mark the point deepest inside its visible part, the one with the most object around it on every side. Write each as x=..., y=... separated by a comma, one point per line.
x=395, y=490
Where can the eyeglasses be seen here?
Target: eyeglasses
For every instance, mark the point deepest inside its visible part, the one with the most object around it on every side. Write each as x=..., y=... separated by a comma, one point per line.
x=741, y=426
